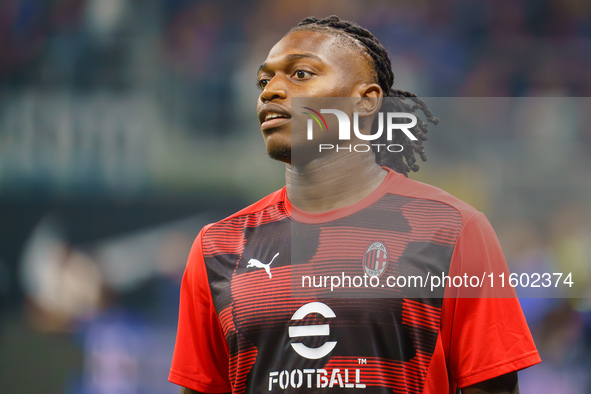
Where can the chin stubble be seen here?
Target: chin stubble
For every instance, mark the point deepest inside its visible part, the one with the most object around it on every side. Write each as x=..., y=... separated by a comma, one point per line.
x=282, y=154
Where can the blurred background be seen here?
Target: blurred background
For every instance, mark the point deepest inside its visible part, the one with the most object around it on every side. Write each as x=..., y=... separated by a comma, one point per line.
x=127, y=125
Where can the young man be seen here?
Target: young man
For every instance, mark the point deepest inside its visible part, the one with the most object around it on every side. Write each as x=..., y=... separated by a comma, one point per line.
x=244, y=327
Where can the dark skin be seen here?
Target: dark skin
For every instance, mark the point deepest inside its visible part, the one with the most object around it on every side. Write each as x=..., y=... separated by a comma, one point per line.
x=304, y=64
x=316, y=64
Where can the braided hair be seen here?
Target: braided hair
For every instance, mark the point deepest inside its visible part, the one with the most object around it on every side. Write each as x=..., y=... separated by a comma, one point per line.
x=384, y=76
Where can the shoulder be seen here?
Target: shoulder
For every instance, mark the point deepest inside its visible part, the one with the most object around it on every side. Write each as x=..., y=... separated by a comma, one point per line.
x=272, y=206
x=404, y=186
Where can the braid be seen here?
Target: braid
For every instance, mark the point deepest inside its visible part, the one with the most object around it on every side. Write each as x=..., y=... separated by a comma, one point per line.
x=405, y=102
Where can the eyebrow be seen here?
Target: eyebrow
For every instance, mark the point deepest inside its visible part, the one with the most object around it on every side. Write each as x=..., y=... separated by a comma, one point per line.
x=291, y=58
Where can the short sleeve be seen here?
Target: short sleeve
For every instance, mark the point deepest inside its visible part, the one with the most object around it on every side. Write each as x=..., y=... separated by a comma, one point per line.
x=485, y=326
x=200, y=360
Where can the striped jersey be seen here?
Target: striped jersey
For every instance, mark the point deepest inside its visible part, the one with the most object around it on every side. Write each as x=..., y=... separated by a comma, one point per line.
x=358, y=299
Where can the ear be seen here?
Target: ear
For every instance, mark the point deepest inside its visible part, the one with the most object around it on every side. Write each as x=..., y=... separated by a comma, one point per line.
x=370, y=99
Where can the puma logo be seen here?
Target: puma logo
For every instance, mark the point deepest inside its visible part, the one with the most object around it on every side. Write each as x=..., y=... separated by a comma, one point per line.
x=258, y=264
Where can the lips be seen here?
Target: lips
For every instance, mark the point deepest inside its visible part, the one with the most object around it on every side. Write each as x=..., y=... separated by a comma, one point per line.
x=273, y=123
x=273, y=115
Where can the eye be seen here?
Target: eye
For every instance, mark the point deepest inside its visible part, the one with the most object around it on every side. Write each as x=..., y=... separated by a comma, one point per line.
x=302, y=74
x=261, y=83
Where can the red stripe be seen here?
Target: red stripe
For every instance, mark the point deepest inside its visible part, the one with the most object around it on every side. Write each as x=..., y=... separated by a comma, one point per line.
x=407, y=377
x=227, y=236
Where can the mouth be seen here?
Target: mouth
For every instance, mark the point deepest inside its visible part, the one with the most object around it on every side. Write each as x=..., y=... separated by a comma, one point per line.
x=274, y=120
x=271, y=118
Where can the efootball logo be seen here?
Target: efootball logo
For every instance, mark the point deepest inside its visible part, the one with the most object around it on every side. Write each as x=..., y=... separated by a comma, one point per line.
x=312, y=330
x=375, y=259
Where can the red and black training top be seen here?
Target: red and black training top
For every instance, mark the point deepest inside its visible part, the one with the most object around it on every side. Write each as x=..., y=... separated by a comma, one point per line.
x=258, y=314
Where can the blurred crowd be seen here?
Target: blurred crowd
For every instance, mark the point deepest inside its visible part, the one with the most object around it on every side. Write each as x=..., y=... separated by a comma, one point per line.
x=127, y=100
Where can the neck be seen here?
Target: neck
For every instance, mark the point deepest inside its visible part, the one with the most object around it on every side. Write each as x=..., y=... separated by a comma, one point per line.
x=332, y=182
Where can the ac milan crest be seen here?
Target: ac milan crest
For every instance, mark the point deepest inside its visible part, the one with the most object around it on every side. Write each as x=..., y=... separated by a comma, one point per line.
x=375, y=259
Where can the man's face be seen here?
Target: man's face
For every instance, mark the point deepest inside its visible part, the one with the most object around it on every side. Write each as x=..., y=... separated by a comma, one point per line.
x=304, y=64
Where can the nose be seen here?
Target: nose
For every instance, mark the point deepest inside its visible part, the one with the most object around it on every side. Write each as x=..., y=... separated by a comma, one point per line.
x=275, y=89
